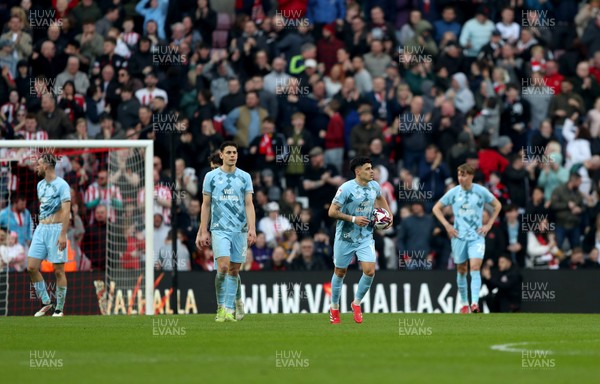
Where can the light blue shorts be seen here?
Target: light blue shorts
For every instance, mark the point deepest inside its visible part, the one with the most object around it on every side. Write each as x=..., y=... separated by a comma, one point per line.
x=344, y=251
x=467, y=249
x=232, y=244
x=44, y=244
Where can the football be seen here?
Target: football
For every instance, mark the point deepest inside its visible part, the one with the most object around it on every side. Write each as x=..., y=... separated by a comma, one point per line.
x=381, y=218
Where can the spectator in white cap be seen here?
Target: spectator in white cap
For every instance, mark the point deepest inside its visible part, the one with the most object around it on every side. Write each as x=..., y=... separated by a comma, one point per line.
x=273, y=225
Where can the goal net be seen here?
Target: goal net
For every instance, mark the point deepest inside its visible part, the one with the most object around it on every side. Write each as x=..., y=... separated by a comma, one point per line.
x=110, y=239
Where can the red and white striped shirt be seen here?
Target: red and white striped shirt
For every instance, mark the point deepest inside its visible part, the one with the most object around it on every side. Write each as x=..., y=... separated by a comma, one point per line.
x=131, y=39
x=9, y=110
x=161, y=192
x=145, y=96
x=106, y=195
x=6, y=155
x=37, y=136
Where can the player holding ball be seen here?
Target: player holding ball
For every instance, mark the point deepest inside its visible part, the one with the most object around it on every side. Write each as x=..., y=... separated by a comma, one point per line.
x=353, y=207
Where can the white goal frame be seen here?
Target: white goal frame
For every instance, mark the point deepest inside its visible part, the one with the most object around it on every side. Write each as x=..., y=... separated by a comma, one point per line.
x=147, y=145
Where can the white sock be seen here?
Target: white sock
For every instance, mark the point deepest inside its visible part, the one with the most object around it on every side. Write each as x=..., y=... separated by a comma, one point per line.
x=335, y=306
x=356, y=302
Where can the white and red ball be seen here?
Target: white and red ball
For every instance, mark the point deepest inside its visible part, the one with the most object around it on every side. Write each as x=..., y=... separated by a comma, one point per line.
x=381, y=218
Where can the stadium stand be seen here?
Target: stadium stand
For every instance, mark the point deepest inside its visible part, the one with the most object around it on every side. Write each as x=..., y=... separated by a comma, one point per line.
x=419, y=86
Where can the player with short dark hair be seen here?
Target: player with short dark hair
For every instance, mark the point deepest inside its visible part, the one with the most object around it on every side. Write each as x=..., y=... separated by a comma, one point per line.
x=228, y=202
x=468, y=233
x=353, y=207
x=50, y=237
x=215, y=162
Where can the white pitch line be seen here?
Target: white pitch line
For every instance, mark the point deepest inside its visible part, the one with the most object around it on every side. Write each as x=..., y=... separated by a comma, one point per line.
x=510, y=347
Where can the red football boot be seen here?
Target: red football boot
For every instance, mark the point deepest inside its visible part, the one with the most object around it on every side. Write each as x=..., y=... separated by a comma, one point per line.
x=357, y=313
x=334, y=316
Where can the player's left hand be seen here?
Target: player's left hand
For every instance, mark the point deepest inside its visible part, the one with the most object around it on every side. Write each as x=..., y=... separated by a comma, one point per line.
x=251, y=238
x=484, y=230
x=62, y=242
x=389, y=224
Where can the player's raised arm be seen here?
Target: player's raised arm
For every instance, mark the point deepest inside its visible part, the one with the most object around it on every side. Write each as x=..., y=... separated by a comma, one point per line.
x=250, y=218
x=203, y=237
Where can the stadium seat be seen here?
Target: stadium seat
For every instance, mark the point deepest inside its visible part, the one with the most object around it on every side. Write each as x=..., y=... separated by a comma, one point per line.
x=223, y=21
x=220, y=39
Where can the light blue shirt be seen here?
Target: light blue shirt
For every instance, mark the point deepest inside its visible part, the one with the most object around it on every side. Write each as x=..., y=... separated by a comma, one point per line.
x=158, y=14
x=477, y=34
x=9, y=220
x=228, y=193
x=355, y=200
x=467, y=206
x=52, y=195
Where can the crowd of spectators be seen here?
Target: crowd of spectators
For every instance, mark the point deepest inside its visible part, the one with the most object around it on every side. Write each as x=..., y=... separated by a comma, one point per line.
x=511, y=87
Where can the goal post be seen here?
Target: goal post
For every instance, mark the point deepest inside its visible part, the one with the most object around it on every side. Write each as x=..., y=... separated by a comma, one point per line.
x=24, y=153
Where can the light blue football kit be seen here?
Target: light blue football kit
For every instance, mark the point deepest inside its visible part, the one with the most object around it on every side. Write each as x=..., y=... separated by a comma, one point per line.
x=44, y=244
x=228, y=223
x=468, y=212
x=468, y=206
x=350, y=238
x=228, y=226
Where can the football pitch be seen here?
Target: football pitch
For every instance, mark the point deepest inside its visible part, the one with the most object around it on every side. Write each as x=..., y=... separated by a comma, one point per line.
x=390, y=348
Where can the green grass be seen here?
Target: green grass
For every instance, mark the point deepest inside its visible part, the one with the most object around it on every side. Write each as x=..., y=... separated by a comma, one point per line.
x=457, y=350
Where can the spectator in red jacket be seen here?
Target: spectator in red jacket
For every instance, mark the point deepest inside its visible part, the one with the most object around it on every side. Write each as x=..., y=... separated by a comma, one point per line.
x=490, y=160
x=553, y=78
x=327, y=47
x=292, y=9
x=334, y=136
